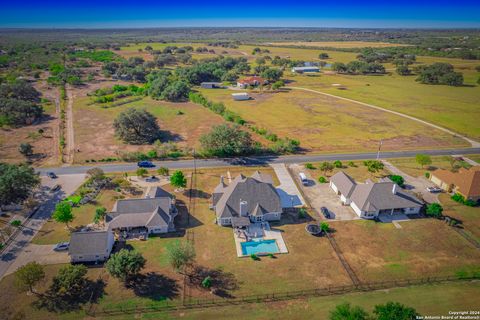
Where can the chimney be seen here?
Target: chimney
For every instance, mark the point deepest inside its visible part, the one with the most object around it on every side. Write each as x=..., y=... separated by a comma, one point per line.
x=394, y=189
x=221, y=180
x=243, y=208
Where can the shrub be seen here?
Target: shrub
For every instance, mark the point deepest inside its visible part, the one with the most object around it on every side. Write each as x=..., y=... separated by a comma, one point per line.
x=310, y=166
x=254, y=257
x=337, y=164
x=142, y=172
x=470, y=203
x=397, y=179
x=207, y=282
x=351, y=164
x=434, y=210
x=322, y=180
x=427, y=175
x=302, y=213
x=163, y=171
x=458, y=198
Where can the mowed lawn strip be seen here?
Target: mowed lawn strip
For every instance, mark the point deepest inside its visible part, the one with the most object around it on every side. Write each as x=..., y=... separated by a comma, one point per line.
x=325, y=124
x=421, y=248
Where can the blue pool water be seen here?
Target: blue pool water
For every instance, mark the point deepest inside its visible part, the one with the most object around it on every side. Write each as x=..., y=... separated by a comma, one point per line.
x=257, y=246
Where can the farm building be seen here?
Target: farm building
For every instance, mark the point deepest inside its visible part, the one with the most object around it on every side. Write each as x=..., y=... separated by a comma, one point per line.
x=90, y=246
x=240, y=96
x=370, y=200
x=305, y=69
x=465, y=182
x=210, y=85
x=251, y=81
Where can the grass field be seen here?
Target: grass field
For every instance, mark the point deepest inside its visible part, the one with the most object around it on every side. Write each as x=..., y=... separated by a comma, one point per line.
x=427, y=300
x=451, y=107
x=324, y=124
x=338, y=44
x=411, y=167
x=95, y=136
x=378, y=251
x=470, y=216
x=358, y=172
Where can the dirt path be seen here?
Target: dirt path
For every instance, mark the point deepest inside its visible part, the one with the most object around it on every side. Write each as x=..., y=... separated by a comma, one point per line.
x=474, y=144
x=70, y=142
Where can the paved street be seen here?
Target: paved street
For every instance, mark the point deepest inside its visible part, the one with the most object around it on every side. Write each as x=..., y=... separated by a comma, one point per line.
x=69, y=184
x=263, y=160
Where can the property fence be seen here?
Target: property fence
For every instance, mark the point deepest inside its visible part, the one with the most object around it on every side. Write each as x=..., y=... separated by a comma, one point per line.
x=193, y=303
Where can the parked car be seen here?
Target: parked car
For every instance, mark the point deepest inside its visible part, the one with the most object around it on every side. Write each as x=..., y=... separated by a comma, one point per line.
x=303, y=178
x=55, y=188
x=62, y=246
x=52, y=175
x=434, y=189
x=145, y=164
x=325, y=212
x=151, y=179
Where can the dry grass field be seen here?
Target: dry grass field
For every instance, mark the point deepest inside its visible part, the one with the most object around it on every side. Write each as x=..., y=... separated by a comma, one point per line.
x=324, y=124
x=338, y=44
x=358, y=171
x=470, y=216
x=421, y=248
x=95, y=136
x=411, y=167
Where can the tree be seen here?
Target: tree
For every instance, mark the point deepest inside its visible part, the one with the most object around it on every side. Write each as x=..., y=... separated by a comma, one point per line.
x=26, y=149
x=338, y=164
x=272, y=74
x=100, y=213
x=403, y=70
x=373, y=166
x=125, y=264
x=63, y=213
x=70, y=280
x=324, y=227
x=16, y=183
x=181, y=255
x=278, y=84
x=136, y=127
x=397, y=179
x=323, y=55
x=423, y=160
x=394, y=310
x=345, y=312
x=326, y=167
x=176, y=91
x=225, y=140
x=339, y=67
x=29, y=275
x=178, y=180
x=434, y=210
x=142, y=172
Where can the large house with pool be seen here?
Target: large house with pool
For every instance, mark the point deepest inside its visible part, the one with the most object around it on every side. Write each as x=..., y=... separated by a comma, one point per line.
x=246, y=200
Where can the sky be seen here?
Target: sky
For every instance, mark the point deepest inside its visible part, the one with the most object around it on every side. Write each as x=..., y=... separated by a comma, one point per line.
x=263, y=13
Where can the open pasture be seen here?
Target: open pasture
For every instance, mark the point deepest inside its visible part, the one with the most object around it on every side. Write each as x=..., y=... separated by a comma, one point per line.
x=324, y=124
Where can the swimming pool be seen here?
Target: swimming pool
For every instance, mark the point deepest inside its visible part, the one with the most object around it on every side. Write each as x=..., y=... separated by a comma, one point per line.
x=259, y=246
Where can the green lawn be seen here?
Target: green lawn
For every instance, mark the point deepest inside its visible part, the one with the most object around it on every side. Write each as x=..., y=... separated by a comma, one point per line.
x=324, y=124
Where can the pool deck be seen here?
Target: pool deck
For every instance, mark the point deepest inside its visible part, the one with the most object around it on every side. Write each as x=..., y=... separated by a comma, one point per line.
x=268, y=235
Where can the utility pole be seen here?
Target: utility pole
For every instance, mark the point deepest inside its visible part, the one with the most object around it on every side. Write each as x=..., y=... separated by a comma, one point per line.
x=379, y=147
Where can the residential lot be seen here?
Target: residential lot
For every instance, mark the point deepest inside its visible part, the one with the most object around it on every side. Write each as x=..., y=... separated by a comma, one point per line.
x=325, y=124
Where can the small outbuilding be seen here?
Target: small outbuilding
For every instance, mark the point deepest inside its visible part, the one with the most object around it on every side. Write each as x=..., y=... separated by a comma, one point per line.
x=240, y=96
x=305, y=69
x=210, y=85
x=90, y=246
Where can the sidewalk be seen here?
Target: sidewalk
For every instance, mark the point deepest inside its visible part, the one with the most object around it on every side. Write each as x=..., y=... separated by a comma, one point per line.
x=289, y=194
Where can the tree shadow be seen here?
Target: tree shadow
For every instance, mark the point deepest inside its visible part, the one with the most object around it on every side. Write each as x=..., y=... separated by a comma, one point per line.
x=154, y=286
x=54, y=301
x=166, y=136
x=196, y=193
x=222, y=283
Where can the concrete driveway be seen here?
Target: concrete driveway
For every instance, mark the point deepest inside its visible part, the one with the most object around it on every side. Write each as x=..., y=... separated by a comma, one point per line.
x=42, y=254
x=321, y=195
x=415, y=185
x=289, y=194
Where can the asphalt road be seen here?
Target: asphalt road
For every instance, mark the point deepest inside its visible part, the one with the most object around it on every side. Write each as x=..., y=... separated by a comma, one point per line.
x=261, y=160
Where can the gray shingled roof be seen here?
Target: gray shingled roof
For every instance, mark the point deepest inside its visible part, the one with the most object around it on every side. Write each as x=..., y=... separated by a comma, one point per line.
x=380, y=196
x=157, y=192
x=141, y=205
x=254, y=192
x=88, y=243
x=344, y=183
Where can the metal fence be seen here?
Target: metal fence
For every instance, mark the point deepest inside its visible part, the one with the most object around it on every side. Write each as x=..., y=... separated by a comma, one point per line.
x=192, y=303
